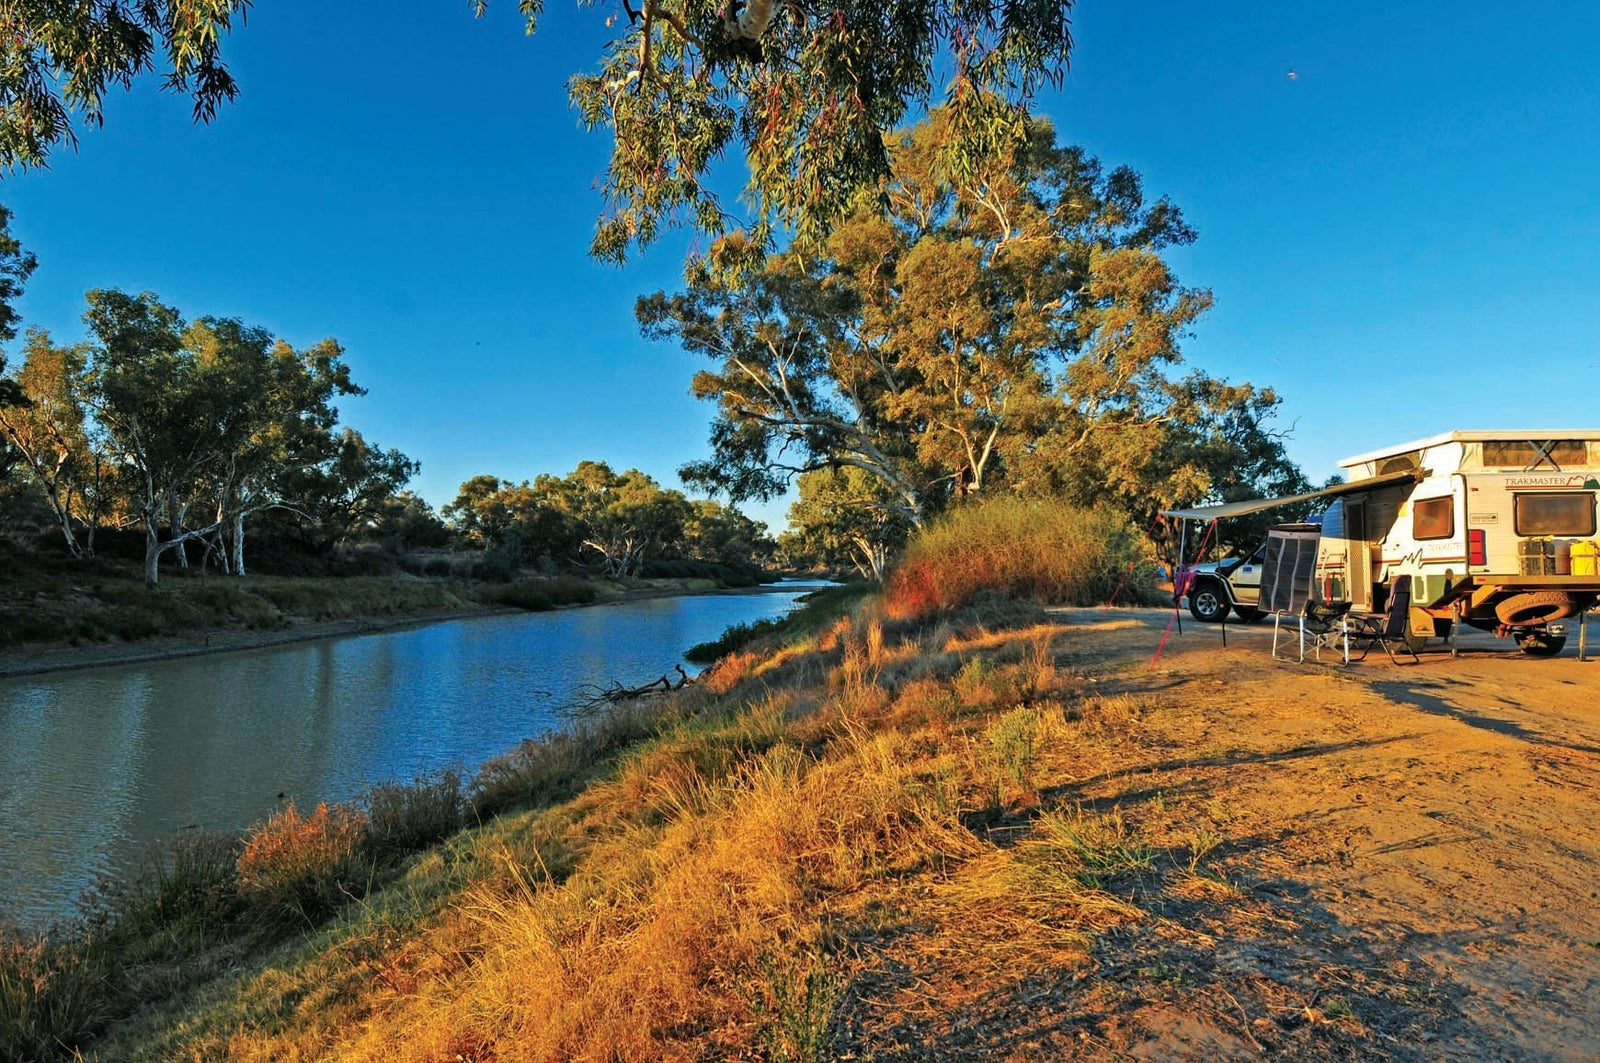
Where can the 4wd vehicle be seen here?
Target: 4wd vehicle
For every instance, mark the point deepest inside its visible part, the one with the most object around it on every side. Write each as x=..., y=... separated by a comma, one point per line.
x=1232, y=583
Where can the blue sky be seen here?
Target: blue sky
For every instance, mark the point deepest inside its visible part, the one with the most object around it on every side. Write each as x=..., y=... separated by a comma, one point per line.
x=1401, y=239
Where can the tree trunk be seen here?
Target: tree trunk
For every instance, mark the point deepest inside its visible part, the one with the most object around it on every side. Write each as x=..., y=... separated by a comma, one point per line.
x=152, y=551
x=64, y=514
x=238, y=543
x=175, y=517
x=874, y=559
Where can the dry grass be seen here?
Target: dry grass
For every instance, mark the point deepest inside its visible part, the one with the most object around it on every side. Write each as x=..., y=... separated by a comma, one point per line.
x=687, y=879
x=299, y=868
x=1015, y=547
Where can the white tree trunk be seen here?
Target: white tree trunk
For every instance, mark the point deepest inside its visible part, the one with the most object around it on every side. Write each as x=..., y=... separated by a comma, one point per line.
x=152, y=551
x=238, y=544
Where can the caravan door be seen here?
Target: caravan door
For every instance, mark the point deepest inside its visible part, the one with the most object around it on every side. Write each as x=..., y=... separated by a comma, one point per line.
x=1345, y=558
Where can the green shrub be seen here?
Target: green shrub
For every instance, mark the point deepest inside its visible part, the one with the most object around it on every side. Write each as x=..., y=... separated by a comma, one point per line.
x=181, y=898
x=539, y=594
x=25, y=625
x=1040, y=549
x=1015, y=740
x=734, y=639
x=403, y=818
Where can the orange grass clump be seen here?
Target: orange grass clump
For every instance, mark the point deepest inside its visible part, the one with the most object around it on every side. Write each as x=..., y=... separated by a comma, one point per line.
x=304, y=866
x=1039, y=549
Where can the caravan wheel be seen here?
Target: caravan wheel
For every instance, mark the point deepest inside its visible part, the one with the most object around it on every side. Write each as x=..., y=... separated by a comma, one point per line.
x=1541, y=643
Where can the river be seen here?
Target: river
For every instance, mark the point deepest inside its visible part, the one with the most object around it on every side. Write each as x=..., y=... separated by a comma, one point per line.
x=97, y=764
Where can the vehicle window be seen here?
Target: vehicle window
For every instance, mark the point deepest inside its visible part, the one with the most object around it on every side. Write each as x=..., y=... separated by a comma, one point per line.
x=1433, y=518
x=1333, y=520
x=1558, y=513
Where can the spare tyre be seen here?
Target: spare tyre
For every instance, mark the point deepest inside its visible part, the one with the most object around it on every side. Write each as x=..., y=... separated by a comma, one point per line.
x=1535, y=607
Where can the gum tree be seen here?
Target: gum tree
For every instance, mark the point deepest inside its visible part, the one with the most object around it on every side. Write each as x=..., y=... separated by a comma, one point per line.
x=1018, y=331
x=803, y=94
x=945, y=330
x=49, y=431
x=60, y=58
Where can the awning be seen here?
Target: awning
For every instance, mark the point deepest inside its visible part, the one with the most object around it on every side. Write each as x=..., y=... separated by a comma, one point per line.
x=1256, y=505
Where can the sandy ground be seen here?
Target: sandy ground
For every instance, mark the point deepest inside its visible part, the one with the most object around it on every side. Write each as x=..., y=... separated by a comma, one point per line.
x=1410, y=866
x=1445, y=813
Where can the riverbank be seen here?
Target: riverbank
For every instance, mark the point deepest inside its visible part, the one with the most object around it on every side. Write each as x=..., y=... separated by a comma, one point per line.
x=225, y=617
x=998, y=834
x=61, y=657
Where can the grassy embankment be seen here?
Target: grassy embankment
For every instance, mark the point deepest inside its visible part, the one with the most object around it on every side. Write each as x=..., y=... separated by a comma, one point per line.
x=746, y=869
x=45, y=598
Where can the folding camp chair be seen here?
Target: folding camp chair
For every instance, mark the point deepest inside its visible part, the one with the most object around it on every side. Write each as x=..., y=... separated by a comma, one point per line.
x=1388, y=628
x=1323, y=622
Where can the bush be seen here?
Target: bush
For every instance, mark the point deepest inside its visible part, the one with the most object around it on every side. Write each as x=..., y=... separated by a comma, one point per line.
x=1040, y=549
x=52, y=995
x=180, y=899
x=403, y=818
x=727, y=573
x=539, y=594
x=299, y=869
x=732, y=640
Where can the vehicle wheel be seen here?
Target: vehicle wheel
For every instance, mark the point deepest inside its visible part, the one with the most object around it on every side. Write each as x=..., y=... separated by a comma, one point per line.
x=1534, y=607
x=1247, y=614
x=1541, y=644
x=1206, y=602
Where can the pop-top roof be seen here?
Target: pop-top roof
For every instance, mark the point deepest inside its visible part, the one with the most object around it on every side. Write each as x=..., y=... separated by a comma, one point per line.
x=1473, y=435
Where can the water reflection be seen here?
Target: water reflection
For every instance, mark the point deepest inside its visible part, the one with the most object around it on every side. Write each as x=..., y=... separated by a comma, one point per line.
x=96, y=764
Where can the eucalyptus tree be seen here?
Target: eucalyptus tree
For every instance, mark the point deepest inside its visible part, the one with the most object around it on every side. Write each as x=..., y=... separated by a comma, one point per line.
x=845, y=516
x=62, y=57
x=213, y=415
x=805, y=94
x=16, y=266
x=350, y=489
x=283, y=423
x=622, y=519
x=49, y=430
x=1018, y=327
x=723, y=533
x=148, y=395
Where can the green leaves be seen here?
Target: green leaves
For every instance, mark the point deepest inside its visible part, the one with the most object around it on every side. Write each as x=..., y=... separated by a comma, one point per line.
x=1010, y=326
x=808, y=96
x=59, y=58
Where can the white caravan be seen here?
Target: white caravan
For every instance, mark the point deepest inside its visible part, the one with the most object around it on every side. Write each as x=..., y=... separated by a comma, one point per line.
x=1495, y=528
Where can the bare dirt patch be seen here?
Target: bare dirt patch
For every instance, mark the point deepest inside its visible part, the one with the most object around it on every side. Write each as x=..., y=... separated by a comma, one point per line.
x=1376, y=861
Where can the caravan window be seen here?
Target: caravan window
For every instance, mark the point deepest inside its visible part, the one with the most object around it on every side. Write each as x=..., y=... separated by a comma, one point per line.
x=1562, y=513
x=1562, y=453
x=1433, y=518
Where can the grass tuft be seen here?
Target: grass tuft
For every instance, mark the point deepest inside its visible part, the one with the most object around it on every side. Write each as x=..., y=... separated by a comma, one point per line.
x=297, y=869
x=1018, y=547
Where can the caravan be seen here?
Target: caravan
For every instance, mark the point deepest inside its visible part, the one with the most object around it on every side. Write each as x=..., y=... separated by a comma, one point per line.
x=1496, y=529
x=1493, y=529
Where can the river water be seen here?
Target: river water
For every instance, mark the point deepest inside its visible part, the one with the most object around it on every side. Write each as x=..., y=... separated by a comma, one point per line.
x=97, y=764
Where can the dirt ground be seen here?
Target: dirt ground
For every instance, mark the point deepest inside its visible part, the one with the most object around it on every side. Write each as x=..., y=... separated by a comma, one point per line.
x=1409, y=866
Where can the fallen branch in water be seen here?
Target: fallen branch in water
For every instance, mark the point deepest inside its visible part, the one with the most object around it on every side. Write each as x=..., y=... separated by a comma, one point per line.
x=594, y=697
